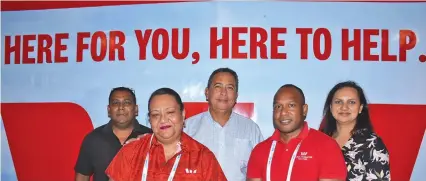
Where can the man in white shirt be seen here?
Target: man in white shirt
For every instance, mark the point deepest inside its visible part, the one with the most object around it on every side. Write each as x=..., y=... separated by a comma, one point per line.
x=229, y=135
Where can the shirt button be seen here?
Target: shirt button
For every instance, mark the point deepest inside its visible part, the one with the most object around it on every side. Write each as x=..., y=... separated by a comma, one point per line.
x=286, y=149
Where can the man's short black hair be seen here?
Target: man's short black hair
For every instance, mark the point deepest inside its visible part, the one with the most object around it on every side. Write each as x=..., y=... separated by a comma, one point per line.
x=297, y=88
x=223, y=70
x=131, y=91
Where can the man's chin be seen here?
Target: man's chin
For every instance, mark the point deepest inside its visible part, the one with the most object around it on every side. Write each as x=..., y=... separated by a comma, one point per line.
x=222, y=108
x=287, y=129
x=122, y=123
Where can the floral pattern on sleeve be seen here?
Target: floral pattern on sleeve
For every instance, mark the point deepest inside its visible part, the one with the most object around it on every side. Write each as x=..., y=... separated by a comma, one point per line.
x=366, y=157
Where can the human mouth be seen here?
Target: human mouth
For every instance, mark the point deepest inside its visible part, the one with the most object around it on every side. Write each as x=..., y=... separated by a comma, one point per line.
x=344, y=114
x=222, y=101
x=285, y=121
x=165, y=127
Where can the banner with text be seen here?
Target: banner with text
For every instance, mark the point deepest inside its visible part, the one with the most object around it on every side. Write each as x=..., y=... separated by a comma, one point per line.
x=59, y=65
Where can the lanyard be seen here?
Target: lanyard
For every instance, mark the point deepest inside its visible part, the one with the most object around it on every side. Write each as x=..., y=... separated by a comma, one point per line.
x=290, y=167
x=145, y=166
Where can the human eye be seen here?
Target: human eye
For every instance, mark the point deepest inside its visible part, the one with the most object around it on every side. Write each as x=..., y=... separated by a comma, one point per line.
x=127, y=102
x=171, y=112
x=277, y=106
x=337, y=102
x=154, y=114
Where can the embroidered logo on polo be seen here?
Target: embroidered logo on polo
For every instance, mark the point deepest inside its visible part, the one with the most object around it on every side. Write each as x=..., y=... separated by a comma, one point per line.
x=190, y=171
x=303, y=156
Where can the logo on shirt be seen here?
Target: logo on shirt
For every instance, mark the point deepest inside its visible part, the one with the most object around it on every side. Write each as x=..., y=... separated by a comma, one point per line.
x=190, y=171
x=304, y=156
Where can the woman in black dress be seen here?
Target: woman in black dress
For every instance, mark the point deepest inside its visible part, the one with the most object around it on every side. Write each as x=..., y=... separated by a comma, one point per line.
x=347, y=120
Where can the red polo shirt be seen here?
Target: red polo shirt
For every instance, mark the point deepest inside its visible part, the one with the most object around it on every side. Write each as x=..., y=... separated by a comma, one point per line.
x=196, y=163
x=319, y=157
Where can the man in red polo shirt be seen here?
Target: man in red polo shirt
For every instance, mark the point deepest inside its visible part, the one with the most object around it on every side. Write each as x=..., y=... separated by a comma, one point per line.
x=295, y=152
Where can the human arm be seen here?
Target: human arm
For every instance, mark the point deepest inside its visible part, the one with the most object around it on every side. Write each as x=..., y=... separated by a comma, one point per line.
x=258, y=137
x=332, y=164
x=81, y=177
x=84, y=167
x=376, y=157
x=254, y=179
x=254, y=166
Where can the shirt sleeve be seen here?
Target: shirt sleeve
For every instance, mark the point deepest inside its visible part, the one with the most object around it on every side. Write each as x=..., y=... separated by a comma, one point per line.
x=213, y=170
x=84, y=163
x=259, y=137
x=331, y=161
x=376, y=157
x=254, y=166
x=121, y=167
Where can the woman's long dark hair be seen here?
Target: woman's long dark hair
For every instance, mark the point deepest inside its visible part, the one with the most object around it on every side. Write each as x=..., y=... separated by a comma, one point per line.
x=363, y=120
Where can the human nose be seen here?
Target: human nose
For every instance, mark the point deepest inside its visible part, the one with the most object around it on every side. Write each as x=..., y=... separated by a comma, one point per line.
x=162, y=118
x=223, y=91
x=345, y=106
x=120, y=105
x=284, y=111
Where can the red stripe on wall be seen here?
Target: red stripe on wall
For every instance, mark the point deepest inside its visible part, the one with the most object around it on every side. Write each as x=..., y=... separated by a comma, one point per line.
x=43, y=5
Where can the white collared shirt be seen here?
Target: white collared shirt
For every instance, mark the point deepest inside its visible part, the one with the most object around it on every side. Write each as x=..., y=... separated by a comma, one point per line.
x=231, y=144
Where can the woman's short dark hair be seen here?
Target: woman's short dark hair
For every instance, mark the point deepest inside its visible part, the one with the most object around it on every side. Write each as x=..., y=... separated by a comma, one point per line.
x=363, y=120
x=166, y=91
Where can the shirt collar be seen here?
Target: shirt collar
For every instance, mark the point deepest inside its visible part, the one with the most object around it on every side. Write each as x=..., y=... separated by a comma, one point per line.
x=276, y=136
x=136, y=127
x=185, y=143
x=210, y=117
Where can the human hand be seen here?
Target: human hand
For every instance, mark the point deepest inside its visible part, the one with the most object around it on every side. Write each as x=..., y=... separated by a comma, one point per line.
x=134, y=139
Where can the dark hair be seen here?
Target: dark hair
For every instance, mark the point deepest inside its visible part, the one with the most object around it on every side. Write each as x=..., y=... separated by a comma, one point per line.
x=298, y=90
x=363, y=120
x=126, y=89
x=223, y=70
x=166, y=91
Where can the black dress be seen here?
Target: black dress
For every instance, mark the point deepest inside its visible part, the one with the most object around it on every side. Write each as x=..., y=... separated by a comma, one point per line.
x=366, y=157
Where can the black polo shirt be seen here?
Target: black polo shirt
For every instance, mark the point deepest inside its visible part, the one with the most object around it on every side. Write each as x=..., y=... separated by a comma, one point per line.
x=99, y=148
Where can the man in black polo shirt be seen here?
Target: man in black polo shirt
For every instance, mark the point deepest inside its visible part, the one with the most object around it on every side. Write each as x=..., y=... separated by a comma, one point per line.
x=101, y=145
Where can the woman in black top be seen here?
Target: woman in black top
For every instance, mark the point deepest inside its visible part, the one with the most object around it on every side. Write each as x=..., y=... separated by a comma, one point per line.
x=347, y=120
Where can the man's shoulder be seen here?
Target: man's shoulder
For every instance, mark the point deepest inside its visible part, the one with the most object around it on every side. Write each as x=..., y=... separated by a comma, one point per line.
x=195, y=117
x=319, y=136
x=262, y=147
x=194, y=122
x=243, y=119
x=144, y=129
x=319, y=139
x=96, y=133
